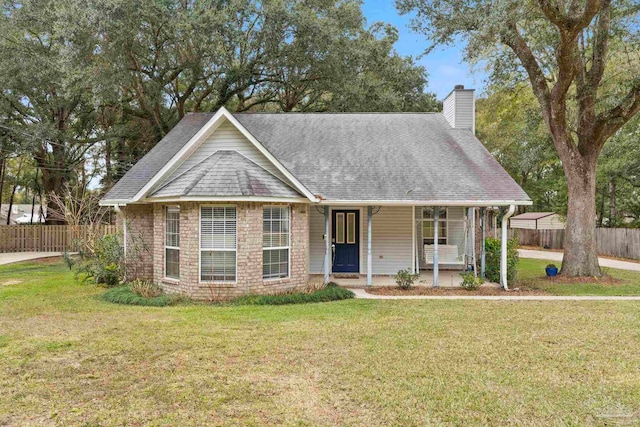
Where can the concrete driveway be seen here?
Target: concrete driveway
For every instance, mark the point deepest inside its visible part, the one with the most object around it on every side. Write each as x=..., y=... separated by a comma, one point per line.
x=557, y=256
x=8, y=258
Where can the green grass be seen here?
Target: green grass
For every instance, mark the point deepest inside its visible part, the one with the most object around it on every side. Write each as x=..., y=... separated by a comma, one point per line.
x=531, y=273
x=69, y=358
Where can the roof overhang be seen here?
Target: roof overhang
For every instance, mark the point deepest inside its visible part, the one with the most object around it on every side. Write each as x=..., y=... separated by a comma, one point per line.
x=226, y=199
x=189, y=148
x=465, y=203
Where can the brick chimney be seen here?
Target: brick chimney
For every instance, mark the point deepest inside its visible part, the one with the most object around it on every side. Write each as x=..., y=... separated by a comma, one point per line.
x=459, y=108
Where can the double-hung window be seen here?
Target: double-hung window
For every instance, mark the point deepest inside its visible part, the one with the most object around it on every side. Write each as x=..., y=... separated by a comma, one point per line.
x=275, y=242
x=218, y=225
x=172, y=242
x=428, y=228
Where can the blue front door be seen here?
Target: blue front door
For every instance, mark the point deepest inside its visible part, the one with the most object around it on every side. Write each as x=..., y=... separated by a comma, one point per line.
x=346, y=238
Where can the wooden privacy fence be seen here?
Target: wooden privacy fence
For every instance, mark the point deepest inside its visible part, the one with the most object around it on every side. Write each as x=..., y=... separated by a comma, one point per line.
x=618, y=242
x=47, y=238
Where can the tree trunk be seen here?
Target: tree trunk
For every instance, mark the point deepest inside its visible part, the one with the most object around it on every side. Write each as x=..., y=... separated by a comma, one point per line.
x=107, y=165
x=601, y=214
x=580, y=253
x=13, y=192
x=3, y=166
x=612, y=202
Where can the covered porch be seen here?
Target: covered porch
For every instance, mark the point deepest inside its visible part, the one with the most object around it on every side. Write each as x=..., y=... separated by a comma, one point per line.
x=368, y=245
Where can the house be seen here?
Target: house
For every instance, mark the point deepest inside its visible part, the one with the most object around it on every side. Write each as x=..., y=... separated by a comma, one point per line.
x=22, y=211
x=538, y=221
x=260, y=202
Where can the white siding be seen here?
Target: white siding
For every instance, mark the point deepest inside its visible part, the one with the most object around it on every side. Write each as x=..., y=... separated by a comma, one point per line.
x=227, y=137
x=552, y=222
x=316, y=242
x=391, y=239
x=529, y=224
x=459, y=109
x=391, y=243
x=449, y=109
x=464, y=110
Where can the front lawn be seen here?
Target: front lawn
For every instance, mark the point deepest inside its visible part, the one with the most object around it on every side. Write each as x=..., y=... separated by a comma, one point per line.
x=69, y=358
x=531, y=274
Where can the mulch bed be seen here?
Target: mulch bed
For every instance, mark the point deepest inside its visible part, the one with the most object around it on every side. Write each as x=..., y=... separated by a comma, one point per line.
x=423, y=290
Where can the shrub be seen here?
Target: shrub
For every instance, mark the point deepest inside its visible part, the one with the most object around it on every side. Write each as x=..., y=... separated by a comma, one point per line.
x=145, y=288
x=331, y=292
x=470, y=282
x=492, y=267
x=104, y=263
x=124, y=295
x=405, y=279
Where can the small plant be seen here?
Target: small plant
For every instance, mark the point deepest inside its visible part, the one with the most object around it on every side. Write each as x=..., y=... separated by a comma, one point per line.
x=145, y=288
x=68, y=259
x=330, y=292
x=470, y=281
x=124, y=295
x=551, y=266
x=405, y=279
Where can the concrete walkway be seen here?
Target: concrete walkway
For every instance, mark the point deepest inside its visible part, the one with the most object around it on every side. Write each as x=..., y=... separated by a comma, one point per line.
x=557, y=256
x=361, y=293
x=8, y=258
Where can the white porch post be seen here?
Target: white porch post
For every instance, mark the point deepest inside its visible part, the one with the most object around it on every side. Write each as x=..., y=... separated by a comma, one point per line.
x=436, y=216
x=414, y=242
x=327, y=249
x=369, y=255
x=483, y=255
x=503, y=247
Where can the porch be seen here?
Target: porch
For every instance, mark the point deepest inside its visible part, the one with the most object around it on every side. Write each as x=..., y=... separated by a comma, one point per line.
x=447, y=278
x=368, y=245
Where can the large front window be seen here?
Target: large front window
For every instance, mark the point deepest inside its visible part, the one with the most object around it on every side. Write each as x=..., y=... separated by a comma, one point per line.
x=218, y=243
x=275, y=242
x=428, y=228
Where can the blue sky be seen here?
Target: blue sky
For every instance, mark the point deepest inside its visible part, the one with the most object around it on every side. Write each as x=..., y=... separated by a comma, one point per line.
x=445, y=65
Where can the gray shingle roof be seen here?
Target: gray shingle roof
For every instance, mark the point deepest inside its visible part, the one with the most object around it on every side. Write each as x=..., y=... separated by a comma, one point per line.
x=357, y=156
x=393, y=156
x=226, y=173
x=142, y=172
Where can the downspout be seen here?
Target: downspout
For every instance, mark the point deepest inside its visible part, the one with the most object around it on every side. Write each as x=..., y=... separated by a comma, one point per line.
x=483, y=255
x=369, y=252
x=503, y=247
x=124, y=234
x=436, y=216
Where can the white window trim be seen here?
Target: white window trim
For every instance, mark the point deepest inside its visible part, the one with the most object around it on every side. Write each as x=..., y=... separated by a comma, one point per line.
x=271, y=279
x=164, y=272
x=218, y=282
x=446, y=221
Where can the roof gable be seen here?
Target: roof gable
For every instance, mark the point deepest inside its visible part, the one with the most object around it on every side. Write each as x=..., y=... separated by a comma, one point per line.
x=163, y=160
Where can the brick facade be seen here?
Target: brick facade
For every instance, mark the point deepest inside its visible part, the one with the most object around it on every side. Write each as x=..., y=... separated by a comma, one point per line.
x=150, y=219
x=140, y=238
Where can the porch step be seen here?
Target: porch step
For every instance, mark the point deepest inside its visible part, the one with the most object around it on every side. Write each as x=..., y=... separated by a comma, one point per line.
x=346, y=276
